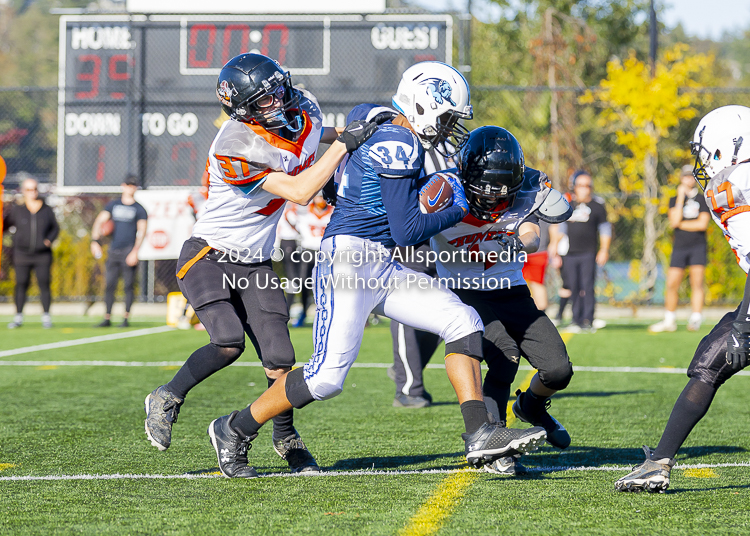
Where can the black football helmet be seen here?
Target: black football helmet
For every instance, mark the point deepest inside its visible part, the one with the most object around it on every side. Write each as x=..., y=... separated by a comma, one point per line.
x=253, y=88
x=492, y=166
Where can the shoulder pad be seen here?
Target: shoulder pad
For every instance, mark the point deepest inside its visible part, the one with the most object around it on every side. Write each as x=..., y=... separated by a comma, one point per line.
x=555, y=208
x=533, y=180
x=365, y=112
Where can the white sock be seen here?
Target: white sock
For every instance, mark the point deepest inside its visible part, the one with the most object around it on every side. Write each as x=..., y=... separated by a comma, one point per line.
x=18, y=319
x=670, y=317
x=696, y=317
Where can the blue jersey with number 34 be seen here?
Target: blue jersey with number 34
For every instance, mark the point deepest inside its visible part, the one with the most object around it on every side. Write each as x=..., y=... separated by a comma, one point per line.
x=393, y=152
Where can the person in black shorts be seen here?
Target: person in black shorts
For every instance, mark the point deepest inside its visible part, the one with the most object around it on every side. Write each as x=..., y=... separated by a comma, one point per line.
x=589, y=235
x=689, y=217
x=129, y=219
x=36, y=229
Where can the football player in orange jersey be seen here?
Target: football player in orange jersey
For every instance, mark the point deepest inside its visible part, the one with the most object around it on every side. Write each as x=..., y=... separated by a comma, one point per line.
x=260, y=158
x=721, y=145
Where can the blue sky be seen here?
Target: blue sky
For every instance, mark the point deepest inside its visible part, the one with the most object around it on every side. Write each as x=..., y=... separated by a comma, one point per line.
x=701, y=18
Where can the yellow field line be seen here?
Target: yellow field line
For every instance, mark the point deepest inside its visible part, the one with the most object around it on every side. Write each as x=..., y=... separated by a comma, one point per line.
x=440, y=505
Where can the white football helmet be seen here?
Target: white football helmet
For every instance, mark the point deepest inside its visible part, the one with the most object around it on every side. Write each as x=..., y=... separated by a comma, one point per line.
x=722, y=139
x=434, y=97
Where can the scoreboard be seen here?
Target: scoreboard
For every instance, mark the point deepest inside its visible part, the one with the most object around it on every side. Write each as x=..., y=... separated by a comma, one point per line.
x=137, y=93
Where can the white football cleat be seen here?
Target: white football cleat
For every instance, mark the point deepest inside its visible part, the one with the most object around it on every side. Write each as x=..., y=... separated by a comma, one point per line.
x=661, y=327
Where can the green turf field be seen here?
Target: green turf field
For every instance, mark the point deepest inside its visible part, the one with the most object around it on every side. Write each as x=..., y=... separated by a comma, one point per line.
x=87, y=422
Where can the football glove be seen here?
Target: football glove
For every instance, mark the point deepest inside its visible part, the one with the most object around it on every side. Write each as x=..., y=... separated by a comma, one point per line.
x=382, y=117
x=510, y=242
x=356, y=133
x=738, y=345
x=459, y=197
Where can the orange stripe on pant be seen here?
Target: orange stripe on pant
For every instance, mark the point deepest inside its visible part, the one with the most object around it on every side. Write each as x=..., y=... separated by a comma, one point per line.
x=189, y=264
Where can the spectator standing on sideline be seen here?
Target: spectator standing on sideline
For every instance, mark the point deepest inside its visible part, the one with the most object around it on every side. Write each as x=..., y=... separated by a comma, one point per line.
x=689, y=217
x=589, y=235
x=557, y=249
x=129, y=219
x=36, y=229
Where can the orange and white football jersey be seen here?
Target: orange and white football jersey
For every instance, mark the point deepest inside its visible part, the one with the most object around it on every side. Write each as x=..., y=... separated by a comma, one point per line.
x=495, y=269
x=728, y=197
x=239, y=216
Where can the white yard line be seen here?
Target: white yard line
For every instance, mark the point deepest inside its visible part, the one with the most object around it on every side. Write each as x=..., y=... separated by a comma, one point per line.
x=550, y=469
x=87, y=340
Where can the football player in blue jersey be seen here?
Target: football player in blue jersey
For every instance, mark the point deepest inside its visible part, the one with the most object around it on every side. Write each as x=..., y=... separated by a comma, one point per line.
x=378, y=209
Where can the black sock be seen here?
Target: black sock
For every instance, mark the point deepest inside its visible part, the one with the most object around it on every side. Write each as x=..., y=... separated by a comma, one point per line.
x=690, y=408
x=200, y=365
x=245, y=424
x=532, y=402
x=475, y=415
x=561, y=309
x=496, y=395
x=283, y=424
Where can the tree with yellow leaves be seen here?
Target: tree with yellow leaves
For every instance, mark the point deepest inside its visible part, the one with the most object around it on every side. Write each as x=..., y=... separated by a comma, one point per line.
x=643, y=109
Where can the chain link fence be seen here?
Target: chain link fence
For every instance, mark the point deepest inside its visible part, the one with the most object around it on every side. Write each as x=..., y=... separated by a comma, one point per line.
x=28, y=143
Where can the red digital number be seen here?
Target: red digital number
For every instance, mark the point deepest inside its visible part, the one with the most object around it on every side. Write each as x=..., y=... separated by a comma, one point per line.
x=115, y=72
x=267, y=29
x=117, y=76
x=227, y=38
x=198, y=58
x=194, y=32
x=92, y=77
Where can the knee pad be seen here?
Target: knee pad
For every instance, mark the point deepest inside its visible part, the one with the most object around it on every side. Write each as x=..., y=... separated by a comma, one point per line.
x=558, y=377
x=228, y=354
x=227, y=335
x=470, y=345
x=296, y=389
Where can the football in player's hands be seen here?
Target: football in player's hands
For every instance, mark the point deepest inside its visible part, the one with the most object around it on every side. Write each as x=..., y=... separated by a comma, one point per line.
x=356, y=133
x=435, y=193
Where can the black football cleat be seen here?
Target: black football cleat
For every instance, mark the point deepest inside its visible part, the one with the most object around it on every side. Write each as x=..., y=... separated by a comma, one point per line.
x=557, y=435
x=493, y=441
x=162, y=408
x=293, y=450
x=231, y=448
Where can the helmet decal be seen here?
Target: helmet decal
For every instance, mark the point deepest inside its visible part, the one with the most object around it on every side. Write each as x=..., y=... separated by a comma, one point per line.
x=439, y=89
x=225, y=93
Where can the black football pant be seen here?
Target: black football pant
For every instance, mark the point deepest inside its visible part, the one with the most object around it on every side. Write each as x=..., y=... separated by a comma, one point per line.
x=515, y=328
x=233, y=300
x=707, y=372
x=40, y=263
x=579, y=271
x=115, y=266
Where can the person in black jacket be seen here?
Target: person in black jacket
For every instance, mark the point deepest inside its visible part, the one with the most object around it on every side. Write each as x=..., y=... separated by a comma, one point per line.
x=36, y=229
